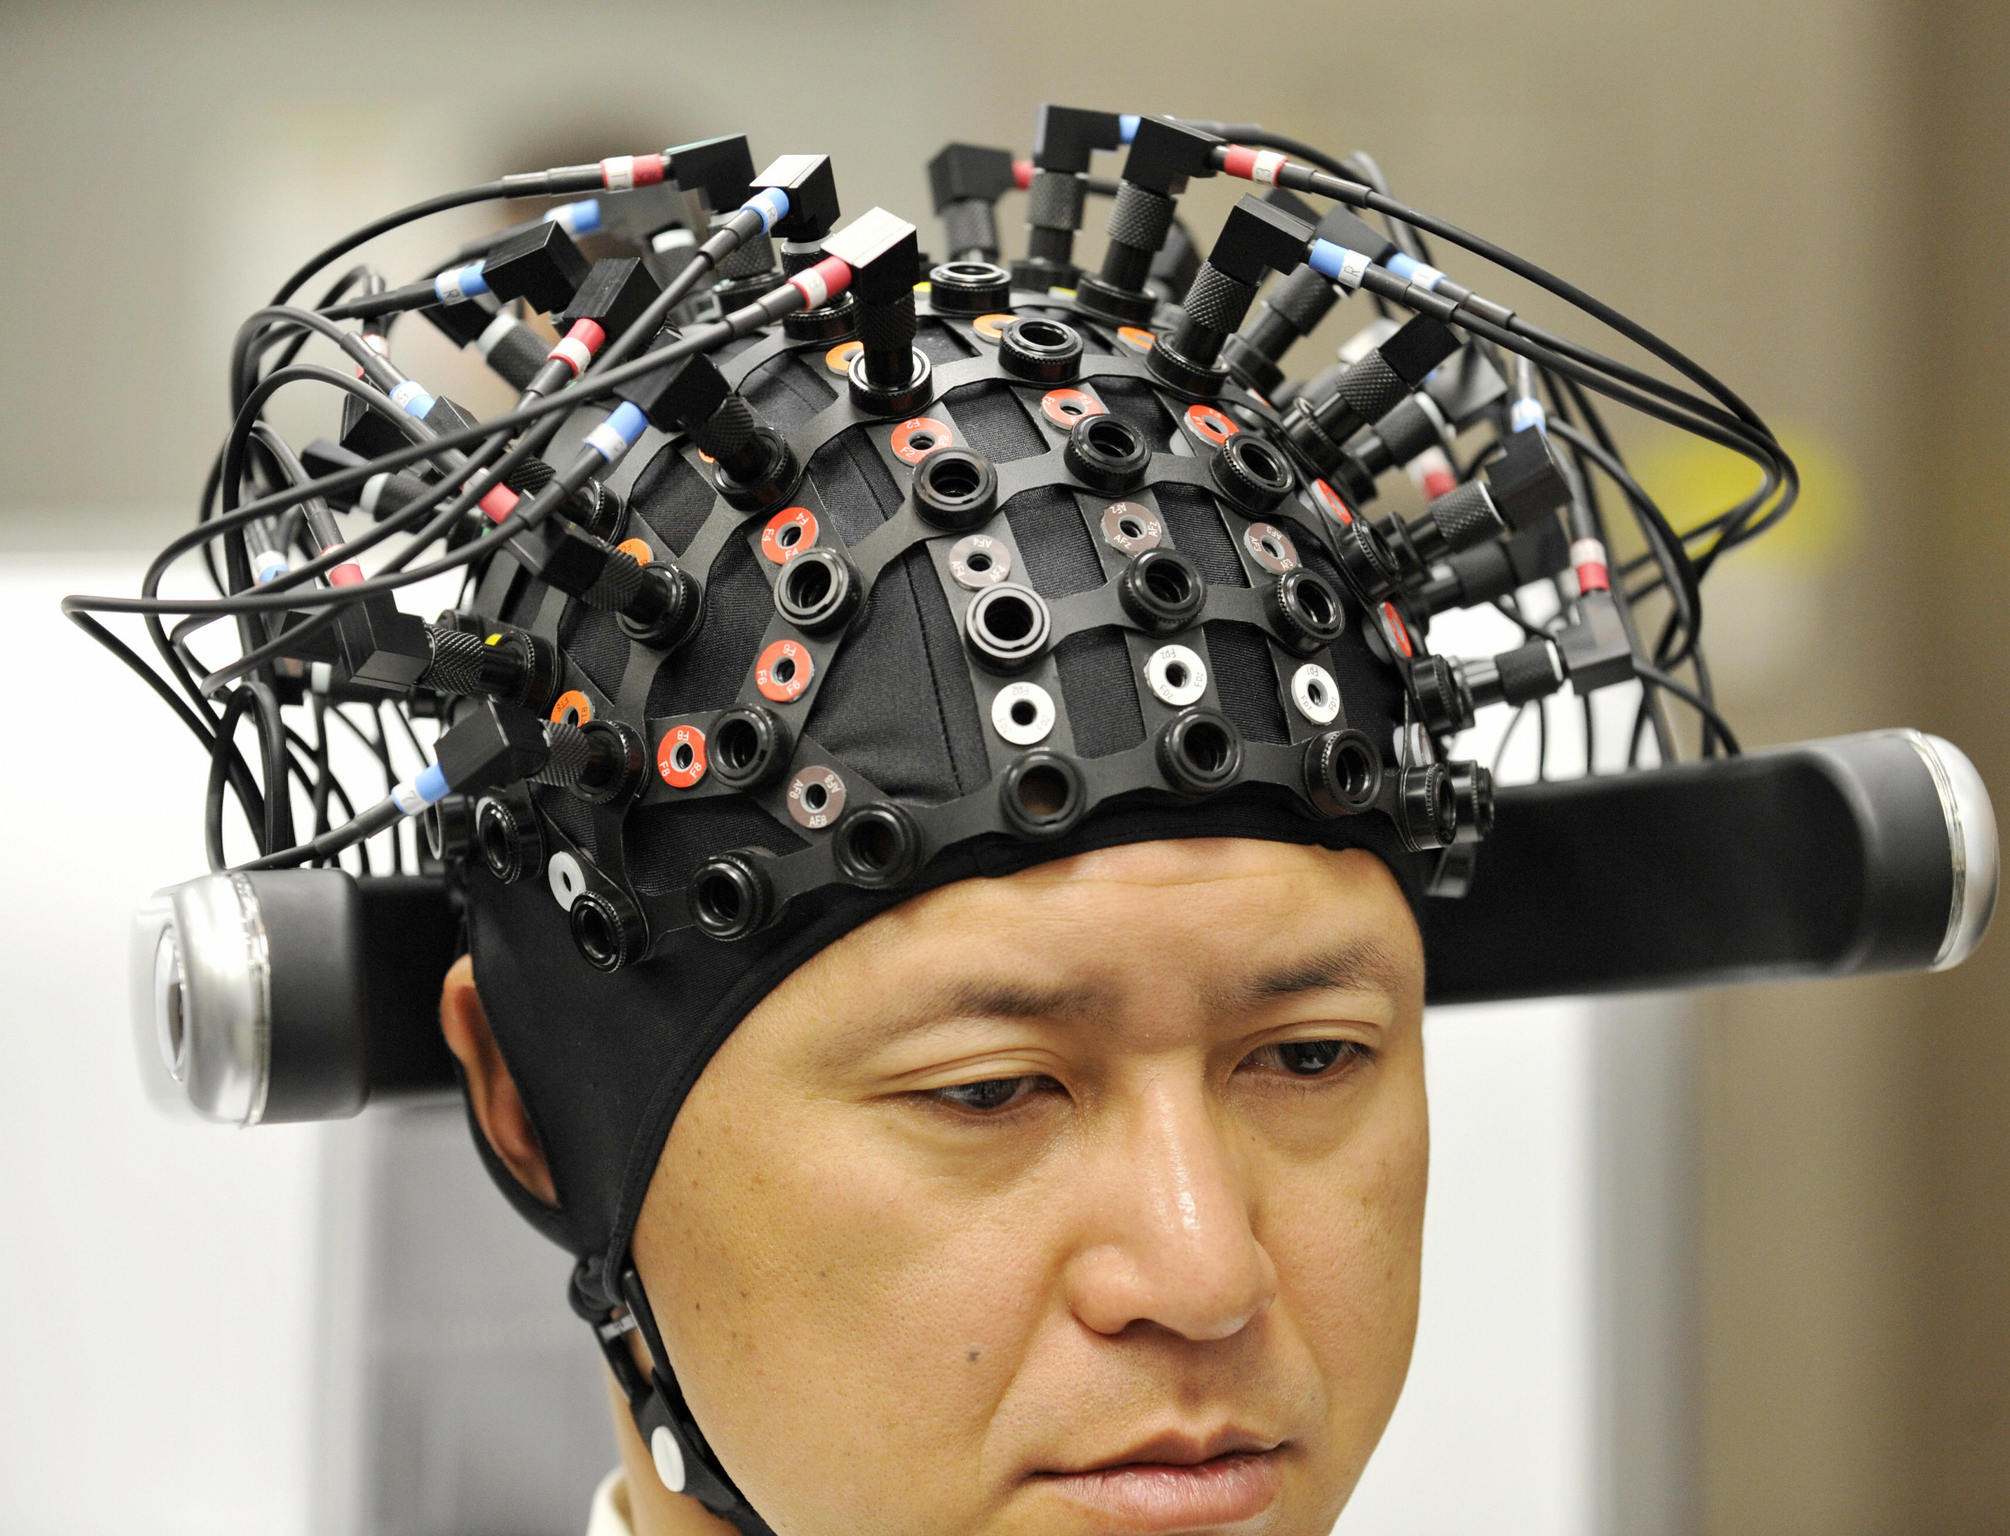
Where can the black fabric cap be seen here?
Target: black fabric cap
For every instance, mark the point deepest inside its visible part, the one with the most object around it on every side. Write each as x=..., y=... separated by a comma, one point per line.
x=706, y=673
x=1193, y=518
x=593, y=639
x=785, y=393
x=1100, y=692
x=858, y=491
x=1058, y=555
x=863, y=721
x=1246, y=681
x=671, y=497
x=994, y=423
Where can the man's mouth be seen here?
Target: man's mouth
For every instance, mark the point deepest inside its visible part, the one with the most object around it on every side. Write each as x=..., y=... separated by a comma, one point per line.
x=1178, y=1481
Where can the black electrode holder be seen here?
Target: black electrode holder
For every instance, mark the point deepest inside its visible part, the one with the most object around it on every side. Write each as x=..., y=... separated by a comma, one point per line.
x=1289, y=312
x=718, y=172
x=542, y=266
x=1256, y=238
x=1494, y=570
x=753, y=466
x=965, y=182
x=1175, y=265
x=813, y=212
x=813, y=208
x=1513, y=492
x=616, y=292
x=1318, y=427
x=1164, y=155
x=889, y=377
x=716, y=176
x=1064, y=140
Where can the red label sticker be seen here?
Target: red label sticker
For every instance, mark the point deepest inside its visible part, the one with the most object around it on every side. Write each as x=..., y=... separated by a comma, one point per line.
x=1330, y=503
x=788, y=533
x=1209, y=423
x=680, y=756
x=783, y=671
x=1065, y=407
x=919, y=436
x=1397, y=631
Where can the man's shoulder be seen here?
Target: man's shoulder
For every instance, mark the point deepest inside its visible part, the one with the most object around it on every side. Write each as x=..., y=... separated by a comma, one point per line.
x=610, y=1508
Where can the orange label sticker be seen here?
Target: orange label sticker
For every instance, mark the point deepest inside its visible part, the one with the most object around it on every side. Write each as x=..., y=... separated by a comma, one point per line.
x=990, y=327
x=838, y=359
x=1136, y=338
x=637, y=549
x=572, y=708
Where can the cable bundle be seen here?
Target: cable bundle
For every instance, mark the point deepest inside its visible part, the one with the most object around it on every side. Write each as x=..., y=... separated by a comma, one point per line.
x=1492, y=416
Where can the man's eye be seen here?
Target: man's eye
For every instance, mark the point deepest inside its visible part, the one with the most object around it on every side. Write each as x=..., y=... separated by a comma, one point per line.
x=1313, y=1058
x=994, y=1093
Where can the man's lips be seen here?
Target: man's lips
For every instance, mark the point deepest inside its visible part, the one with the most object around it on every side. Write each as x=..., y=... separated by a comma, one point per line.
x=1178, y=1481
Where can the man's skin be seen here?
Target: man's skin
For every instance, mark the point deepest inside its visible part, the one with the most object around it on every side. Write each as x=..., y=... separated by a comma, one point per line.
x=1117, y=1160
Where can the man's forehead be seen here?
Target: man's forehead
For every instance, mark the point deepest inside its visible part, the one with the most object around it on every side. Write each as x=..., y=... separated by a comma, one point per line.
x=1361, y=964
x=1223, y=926
x=1361, y=972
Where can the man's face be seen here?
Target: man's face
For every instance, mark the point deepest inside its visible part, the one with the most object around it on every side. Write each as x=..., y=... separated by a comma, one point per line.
x=1084, y=1200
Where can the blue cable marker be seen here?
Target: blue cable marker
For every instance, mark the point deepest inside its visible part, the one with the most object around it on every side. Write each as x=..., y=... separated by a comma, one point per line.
x=1346, y=267
x=429, y=787
x=1411, y=270
x=580, y=218
x=461, y=283
x=1528, y=412
x=771, y=203
x=411, y=398
x=269, y=565
x=1127, y=125
x=619, y=433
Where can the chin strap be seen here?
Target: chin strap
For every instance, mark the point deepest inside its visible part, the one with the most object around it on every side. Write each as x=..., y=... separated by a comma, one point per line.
x=684, y=1462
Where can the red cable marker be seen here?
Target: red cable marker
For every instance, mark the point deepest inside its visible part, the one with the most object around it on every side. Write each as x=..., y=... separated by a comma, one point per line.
x=823, y=282
x=1587, y=557
x=622, y=173
x=578, y=346
x=498, y=503
x=1258, y=165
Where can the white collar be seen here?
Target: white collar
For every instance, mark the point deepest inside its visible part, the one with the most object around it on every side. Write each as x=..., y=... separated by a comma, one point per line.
x=610, y=1503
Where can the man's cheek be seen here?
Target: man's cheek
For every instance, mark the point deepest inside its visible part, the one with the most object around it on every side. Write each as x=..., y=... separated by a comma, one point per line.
x=1347, y=1242
x=867, y=1278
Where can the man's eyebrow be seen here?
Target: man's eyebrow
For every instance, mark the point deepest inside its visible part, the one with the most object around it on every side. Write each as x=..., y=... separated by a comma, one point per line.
x=1359, y=965
x=1009, y=999
x=983, y=997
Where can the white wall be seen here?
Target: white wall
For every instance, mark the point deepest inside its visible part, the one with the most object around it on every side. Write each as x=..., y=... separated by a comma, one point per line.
x=158, y=1290
x=1495, y=1428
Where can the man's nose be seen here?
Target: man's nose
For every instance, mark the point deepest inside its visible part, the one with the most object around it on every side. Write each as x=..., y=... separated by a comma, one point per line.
x=1169, y=1238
